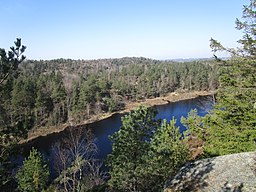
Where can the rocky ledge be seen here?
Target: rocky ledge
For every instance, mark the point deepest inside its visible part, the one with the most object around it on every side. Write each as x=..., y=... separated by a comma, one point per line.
x=234, y=173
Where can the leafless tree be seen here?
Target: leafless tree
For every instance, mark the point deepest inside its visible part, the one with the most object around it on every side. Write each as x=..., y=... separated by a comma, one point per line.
x=75, y=163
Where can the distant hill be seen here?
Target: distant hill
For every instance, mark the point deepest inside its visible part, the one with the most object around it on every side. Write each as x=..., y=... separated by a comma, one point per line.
x=191, y=59
x=53, y=92
x=195, y=59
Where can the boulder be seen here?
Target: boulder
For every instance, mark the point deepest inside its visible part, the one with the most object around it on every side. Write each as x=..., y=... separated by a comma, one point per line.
x=236, y=172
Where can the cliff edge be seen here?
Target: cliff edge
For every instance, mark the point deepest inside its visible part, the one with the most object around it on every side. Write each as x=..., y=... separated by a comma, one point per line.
x=236, y=172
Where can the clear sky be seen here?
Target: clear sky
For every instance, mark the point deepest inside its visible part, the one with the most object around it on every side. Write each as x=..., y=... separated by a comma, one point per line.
x=92, y=29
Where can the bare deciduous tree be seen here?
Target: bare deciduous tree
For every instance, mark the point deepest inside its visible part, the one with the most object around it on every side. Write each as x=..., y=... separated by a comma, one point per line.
x=75, y=161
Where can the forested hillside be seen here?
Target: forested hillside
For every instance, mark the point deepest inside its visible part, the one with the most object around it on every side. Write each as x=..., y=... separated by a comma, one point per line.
x=38, y=94
x=63, y=90
x=145, y=151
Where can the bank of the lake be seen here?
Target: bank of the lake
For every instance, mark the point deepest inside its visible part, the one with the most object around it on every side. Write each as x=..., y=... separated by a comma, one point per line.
x=169, y=98
x=102, y=129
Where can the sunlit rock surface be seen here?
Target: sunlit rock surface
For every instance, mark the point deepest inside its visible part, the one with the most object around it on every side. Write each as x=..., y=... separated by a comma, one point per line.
x=236, y=172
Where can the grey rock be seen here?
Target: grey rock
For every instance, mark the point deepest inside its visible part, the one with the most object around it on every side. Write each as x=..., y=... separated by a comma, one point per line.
x=234, y=173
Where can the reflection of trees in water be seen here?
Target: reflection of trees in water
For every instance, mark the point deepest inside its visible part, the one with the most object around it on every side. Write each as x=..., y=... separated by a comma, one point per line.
x=205, y=103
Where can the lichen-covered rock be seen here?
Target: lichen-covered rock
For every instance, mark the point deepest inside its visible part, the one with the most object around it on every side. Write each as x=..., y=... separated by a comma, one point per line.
x=236, y=172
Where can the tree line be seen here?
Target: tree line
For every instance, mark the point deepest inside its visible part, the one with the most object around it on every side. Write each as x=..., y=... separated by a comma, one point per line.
x=54, y=92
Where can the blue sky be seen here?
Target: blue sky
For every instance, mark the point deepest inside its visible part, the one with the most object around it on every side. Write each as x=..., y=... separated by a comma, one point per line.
x=92, y=29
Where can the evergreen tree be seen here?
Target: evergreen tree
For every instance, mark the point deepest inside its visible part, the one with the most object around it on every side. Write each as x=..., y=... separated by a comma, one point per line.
x=130, y=146
x=8, y=134
x=248, y=41
x=231, y=126
x=43, y=102
x=9, y=62
x=145, y=153
x=23, y=101
x=168, y=152
x=34, y=174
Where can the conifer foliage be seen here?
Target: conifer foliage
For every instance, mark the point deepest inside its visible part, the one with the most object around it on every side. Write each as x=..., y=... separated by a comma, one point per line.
x=231, y=127
x=144, y=152
x=167, y=153
x=34, y=174
x=10, y=61
x=9, y=133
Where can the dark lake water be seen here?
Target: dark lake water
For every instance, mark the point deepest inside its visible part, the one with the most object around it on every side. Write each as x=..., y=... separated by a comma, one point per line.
x=103, y=129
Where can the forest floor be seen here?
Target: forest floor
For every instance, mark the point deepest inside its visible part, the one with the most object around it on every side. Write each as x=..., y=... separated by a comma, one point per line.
x=169, y=98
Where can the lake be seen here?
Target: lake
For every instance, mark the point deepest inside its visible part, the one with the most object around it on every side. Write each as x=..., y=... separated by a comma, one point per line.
x=104, y=128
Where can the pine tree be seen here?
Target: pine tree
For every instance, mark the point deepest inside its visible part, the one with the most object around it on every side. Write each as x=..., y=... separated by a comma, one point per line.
x=130, y=146
x=145, y=153
x=34, y=174
x=235, y=114
x=231, y=126
x=168, y=152
x=9, y=63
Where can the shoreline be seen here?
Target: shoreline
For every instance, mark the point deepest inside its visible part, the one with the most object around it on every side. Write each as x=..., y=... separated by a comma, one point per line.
x=163, y=100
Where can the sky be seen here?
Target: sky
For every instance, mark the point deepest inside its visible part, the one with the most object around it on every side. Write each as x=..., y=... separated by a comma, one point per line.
x=94, y=29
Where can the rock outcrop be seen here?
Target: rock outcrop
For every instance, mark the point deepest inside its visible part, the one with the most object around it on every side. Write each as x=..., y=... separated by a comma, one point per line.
x=236, y=172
